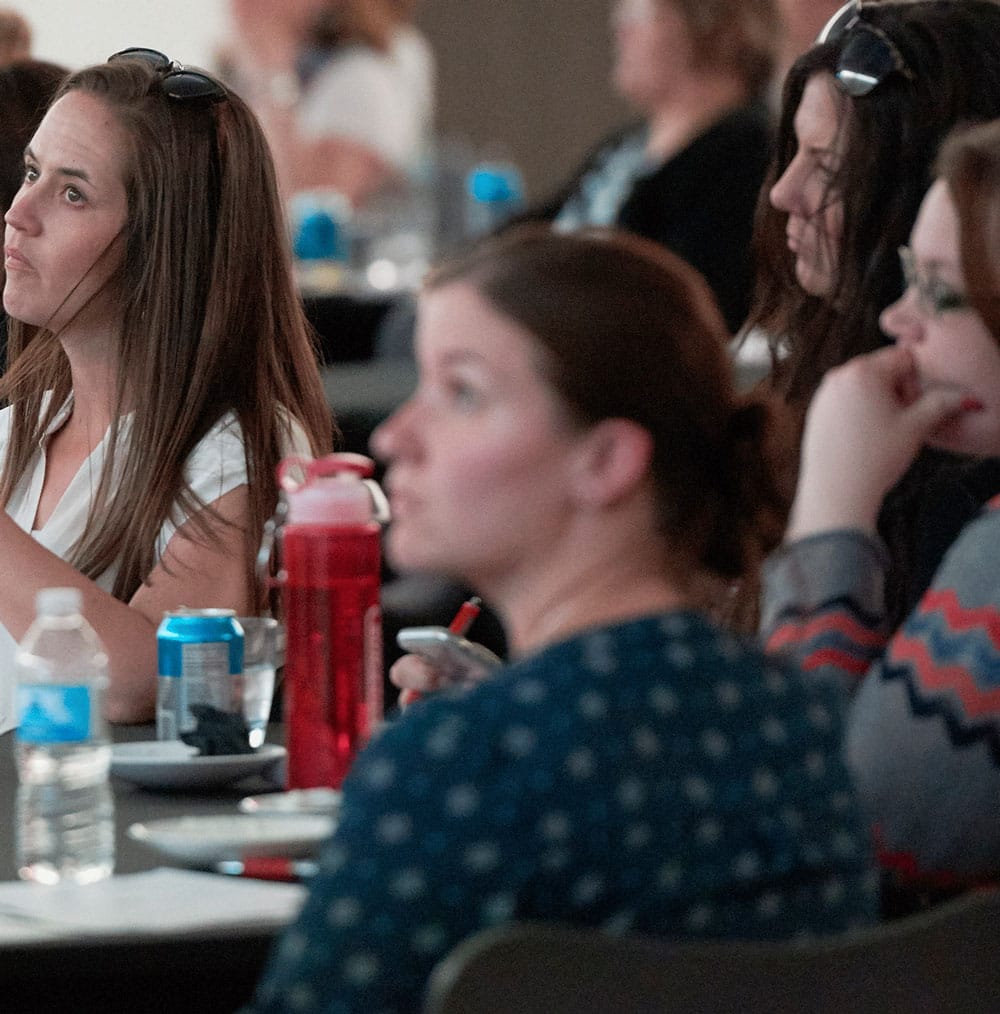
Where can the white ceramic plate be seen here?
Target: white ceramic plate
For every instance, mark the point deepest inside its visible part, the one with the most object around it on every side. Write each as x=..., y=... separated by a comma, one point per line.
x=204, y=841
x=295, y=801
x=172, y=764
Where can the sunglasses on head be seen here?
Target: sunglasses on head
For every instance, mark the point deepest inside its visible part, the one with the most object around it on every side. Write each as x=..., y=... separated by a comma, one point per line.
x=867, y=56
x=184, y=84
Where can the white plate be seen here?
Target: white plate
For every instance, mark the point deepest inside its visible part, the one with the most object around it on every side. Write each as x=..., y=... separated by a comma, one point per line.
x=203, y=841
x=295, y=801
x=172, y=764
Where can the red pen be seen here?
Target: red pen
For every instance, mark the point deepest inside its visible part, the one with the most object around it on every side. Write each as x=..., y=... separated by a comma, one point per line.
x=459, y=626
x=467, y=612
x=268, y=868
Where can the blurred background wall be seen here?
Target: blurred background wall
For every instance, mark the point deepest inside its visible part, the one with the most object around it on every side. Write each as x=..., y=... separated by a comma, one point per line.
x=525, y=79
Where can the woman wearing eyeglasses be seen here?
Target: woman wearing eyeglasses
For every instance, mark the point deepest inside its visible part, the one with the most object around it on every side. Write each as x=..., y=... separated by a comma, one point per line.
x=160, y=362
x=924, y=736
x=863, y=114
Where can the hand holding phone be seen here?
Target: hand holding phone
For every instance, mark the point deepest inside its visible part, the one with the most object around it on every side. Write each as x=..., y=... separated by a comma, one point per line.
x=456, y=661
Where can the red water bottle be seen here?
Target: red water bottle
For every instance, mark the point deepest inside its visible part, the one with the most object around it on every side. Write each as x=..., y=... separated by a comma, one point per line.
x=330, y=577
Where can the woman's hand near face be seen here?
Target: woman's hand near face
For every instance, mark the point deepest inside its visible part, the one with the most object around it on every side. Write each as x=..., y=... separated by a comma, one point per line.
x=865, y=425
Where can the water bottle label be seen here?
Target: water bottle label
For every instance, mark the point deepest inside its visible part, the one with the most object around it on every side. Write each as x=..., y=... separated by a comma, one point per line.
x=50, y=713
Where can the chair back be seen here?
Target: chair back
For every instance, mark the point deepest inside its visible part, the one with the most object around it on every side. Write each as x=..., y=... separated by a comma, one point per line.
x=943, y=961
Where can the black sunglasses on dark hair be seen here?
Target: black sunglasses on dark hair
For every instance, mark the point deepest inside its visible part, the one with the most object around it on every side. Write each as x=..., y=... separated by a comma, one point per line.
x=185, y=84
x=867, y=56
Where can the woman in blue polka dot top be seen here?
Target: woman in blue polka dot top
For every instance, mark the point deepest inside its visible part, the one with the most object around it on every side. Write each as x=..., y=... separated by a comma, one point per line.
x=575, y=452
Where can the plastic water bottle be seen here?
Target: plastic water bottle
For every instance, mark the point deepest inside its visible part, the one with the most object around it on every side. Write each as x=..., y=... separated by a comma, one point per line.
x=330, y=578
x=321, y=239
x=65, y=815
x=494, y=193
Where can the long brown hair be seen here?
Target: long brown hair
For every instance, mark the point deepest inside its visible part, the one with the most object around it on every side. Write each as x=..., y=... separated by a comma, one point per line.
x=890, y=140
x=891, y=137
x=627, y=329
x=211, y=324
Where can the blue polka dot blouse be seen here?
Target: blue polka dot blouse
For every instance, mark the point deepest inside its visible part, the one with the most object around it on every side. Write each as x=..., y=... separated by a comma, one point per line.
x=654, y=777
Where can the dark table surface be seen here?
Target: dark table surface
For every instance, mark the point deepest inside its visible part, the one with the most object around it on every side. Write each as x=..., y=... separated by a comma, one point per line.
x=198, y=973
x=132, y=804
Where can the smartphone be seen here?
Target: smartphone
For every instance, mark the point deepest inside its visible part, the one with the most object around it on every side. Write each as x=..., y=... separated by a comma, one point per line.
x=456, y=658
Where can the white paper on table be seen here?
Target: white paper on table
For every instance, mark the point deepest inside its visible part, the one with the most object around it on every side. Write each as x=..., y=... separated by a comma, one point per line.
x=160, y=902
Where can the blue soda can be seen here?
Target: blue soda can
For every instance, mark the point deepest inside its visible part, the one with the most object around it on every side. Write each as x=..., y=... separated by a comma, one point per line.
x=200, y=651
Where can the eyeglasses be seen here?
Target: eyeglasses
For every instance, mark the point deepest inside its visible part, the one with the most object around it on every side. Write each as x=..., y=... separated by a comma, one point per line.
x=933, y=295
x=867, y=57
x=184, y=84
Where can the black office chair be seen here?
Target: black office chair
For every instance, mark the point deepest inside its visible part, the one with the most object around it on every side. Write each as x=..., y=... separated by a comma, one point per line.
x=943, y=961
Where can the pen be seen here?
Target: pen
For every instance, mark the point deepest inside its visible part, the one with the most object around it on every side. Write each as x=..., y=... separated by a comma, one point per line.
x=467, y=612
x=268, y=868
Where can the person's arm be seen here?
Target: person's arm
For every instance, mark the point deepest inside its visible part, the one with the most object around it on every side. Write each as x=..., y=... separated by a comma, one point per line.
x=353, y=128
x=924, y=726
x=823, y=590
x=190, y=574
x=823, y=606
x=352, y=168
x=923, y=737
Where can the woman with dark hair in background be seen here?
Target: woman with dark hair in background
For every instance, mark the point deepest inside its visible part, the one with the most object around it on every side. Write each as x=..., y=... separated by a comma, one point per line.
x=688, y=176
x=924, y=733
x=160, y=362
x=26, y=89
x=862, y=117
x=575, y=452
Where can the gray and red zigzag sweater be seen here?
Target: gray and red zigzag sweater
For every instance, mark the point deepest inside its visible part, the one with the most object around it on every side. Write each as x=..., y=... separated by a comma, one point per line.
x=923, y=734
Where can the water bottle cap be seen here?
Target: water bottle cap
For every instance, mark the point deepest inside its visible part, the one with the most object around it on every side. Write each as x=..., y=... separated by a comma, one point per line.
x=58, y=601
x=320, y=225
x=295, y=472
x=317, y=237
x=491, y=183
x=328, y=489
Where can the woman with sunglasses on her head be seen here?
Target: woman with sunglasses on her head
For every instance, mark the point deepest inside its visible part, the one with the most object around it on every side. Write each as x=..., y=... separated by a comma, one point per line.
x=575, y=452
x=863, y=114
x=160, y=364
x=924, y=734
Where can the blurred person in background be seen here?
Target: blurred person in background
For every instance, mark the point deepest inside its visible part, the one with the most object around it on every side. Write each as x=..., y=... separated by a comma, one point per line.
x=687, y=176
x=575, y=451
x=345, y=90
x=26, y=89
x=15, y=37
